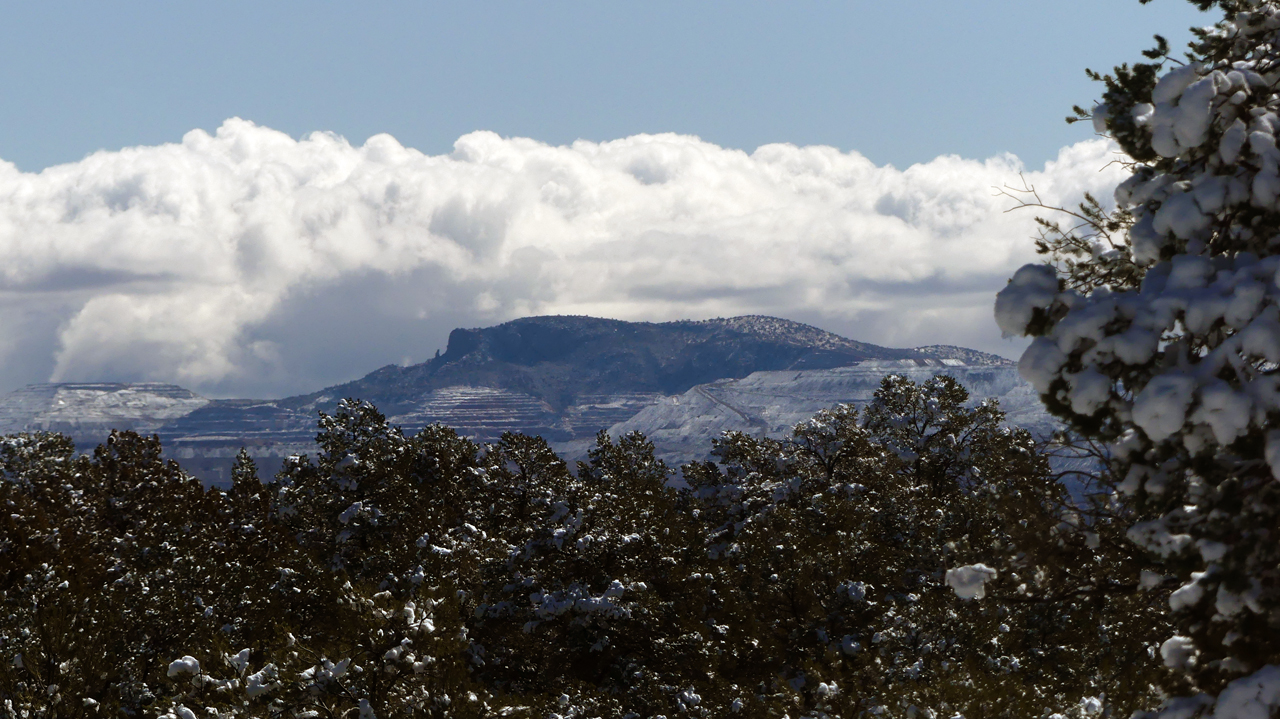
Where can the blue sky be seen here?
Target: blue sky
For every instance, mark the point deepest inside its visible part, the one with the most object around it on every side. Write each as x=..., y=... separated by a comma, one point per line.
x=898, y=82
x=261, y=199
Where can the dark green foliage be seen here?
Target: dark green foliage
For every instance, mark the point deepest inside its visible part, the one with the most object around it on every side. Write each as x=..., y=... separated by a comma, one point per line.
x=838, y=541
x=430, y=576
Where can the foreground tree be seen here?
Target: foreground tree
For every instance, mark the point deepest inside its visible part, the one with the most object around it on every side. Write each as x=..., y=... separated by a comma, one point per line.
x=835, y=544
x=430, y=576
x=1158, y=333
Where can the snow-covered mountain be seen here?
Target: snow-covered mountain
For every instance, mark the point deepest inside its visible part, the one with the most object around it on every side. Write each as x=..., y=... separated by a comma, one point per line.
x=770, y=403
x=561, y=361
x=563, y=378
x=87, y=412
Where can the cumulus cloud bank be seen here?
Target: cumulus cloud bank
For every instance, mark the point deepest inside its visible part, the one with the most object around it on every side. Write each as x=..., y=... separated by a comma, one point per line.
x=247, y=262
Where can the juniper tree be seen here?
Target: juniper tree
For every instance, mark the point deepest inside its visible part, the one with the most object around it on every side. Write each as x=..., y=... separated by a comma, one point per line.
x=832, y=549
x=430, y=576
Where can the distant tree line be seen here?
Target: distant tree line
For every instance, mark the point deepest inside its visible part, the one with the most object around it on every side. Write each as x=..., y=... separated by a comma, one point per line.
x=431, y=576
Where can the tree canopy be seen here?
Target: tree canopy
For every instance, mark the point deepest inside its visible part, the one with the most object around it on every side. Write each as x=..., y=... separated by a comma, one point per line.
x=431, y=576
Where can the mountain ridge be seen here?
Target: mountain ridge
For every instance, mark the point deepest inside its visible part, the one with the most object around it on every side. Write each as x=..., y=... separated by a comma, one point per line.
x=561, y=377
x=558, y=357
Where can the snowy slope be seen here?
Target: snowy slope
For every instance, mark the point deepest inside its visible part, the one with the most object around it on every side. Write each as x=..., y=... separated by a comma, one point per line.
x=88, y=411
x=563, y=378
x=770, y=403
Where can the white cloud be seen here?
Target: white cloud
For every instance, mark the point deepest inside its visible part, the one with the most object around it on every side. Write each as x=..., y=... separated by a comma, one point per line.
x=250, y=262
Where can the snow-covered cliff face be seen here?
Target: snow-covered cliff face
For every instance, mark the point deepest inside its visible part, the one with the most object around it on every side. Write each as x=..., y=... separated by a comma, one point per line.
x=771, y=403
x=88, y=411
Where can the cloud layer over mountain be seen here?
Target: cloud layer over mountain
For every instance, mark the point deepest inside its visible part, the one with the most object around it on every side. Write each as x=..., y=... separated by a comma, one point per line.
x=247, y=262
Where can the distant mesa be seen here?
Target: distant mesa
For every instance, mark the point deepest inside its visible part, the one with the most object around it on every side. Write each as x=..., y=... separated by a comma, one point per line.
x=91, y=409
x=561, y=377
x=558, y=360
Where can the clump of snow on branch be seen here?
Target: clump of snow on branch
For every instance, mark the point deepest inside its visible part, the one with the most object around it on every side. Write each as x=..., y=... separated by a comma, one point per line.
x=969, y=582
x=185, y=665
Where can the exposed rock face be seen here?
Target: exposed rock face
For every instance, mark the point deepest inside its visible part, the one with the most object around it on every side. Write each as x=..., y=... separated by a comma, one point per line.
x=563, y=378
x=485, y=413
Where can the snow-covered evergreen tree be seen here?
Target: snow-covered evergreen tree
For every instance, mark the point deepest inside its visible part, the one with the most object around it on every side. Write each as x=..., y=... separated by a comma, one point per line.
x=1157, y=331
x=430, y=576
x=832, y=550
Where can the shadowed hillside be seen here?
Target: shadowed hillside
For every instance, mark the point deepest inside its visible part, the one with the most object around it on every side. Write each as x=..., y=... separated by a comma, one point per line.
x=559, y=359
x=561, y=378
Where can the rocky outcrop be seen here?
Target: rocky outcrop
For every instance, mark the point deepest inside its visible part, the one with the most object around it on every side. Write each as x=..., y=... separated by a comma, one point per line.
x=206, y=441
x=484, y=413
